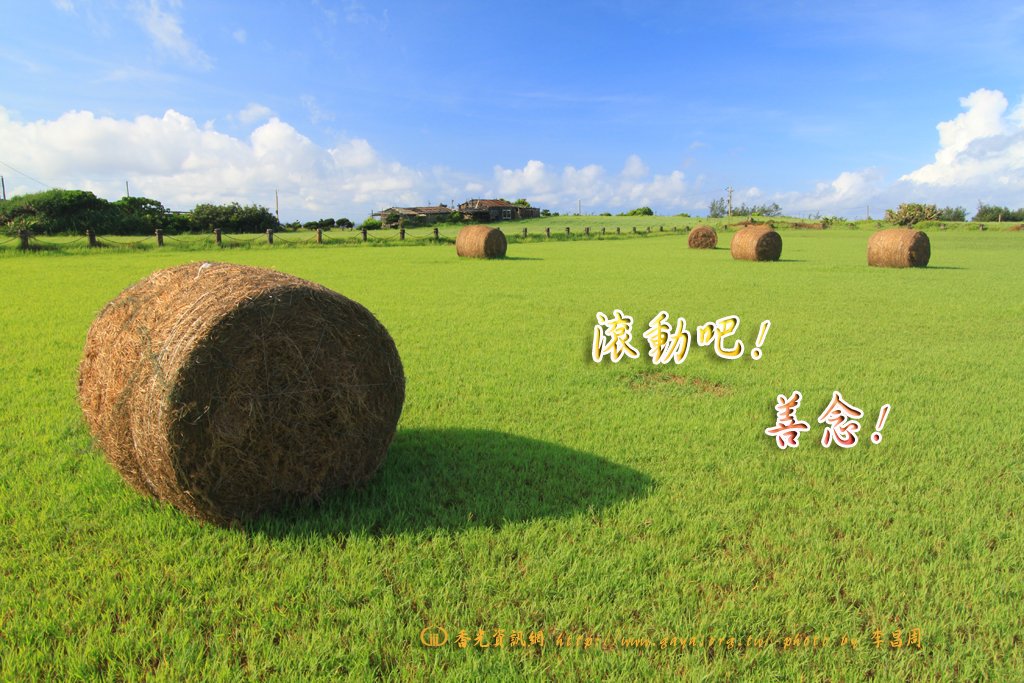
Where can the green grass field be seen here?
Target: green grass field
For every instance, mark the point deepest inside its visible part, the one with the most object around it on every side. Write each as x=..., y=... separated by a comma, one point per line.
x=530, y=489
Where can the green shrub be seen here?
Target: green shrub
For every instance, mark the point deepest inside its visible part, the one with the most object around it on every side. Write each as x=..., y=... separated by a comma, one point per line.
x=233, y=217
x=953, y=214
x=60, y=211
x=719, y=208
x=910, y=214
x=989, y=213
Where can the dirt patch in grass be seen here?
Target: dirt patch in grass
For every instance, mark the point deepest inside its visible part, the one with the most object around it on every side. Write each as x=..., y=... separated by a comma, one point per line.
x=649, y=380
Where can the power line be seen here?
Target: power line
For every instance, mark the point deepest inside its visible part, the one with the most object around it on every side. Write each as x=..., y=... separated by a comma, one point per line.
x=26, y=175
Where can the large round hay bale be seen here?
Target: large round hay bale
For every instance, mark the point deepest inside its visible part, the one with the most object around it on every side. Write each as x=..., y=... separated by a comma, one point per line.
x=756, y=244
x=703, y=237
x=899, y=248
x=481, y=241
x=227, y=390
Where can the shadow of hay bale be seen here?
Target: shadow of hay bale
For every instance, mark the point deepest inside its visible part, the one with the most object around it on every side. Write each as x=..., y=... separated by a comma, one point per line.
x=456, y=479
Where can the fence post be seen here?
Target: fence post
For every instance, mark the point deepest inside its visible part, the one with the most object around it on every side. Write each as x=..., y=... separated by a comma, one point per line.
x=661, y=228
x=524, y=233
x=547, y=231
x=159, y=237
x=92, y=237
x=567, y=231
x=216, y=236
x=23, y=235
x=648, y=229
x=586, y=231
x=319, y=235
x=435, y=234
x=602, y=230
x=618, y=231
x=634, y=229
x=270, y=235
x=401, y=233
x=364, y=234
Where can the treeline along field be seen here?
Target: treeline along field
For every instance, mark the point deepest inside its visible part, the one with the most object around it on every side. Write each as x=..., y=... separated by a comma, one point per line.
x=541, y=229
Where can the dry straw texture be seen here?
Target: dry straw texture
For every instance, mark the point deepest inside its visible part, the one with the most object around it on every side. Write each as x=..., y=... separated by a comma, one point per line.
x=480, y=241
x=899, y=248
x=227, y=390
x=756, y=244
x=703, y=237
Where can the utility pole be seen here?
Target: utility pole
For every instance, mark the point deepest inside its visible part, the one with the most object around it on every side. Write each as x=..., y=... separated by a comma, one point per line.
x=729, y=190
x=579, y=207
x=277, y=206
x=126, y=192
x=869, y=212
x=4, y=187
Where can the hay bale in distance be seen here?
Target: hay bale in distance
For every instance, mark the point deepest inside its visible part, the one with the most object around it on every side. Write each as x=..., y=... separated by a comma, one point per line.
x=756, y=244
x=703, y=237
x=899, y=248
x=481, y=241
x=227, y=390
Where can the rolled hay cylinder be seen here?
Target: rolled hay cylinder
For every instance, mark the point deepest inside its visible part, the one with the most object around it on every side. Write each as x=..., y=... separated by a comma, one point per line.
x=227, y=390
x=703, y=237
x=899, y=248
x=756, y=244
x=481, y=241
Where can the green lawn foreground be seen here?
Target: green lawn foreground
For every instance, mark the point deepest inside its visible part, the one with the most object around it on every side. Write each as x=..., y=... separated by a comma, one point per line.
x=530, y=490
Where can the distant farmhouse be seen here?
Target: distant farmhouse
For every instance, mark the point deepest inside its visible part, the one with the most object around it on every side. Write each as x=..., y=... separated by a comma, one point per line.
x=415, y=215
x=477, y=210
x=488, y=210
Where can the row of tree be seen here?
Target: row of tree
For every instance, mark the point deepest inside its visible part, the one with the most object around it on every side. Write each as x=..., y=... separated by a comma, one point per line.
x=76, y=211
x=911, y=213
x=719, y=208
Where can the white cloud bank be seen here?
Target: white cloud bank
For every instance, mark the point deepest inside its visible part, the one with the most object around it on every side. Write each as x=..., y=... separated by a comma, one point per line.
x=180, y=162
x=980, y=158
x=982, y=145
x=596, y=189
x=176, y=160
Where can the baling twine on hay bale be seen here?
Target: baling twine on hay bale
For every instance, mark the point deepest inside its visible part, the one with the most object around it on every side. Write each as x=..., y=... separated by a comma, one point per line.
x=481, y=241
x=899, y=248
x=756, y=244
x=703, y=237
x=228, y=390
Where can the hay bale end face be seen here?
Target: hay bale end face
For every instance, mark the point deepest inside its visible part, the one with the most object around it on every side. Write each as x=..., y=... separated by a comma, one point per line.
x=756, y=244
x=228, y=390
x=899, y=248
x=481, y=241
x=703, y=237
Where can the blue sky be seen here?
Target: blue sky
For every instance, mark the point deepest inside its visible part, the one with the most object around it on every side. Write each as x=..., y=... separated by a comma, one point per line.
x=347, y=107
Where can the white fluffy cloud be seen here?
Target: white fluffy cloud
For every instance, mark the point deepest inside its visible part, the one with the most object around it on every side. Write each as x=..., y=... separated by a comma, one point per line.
x=982, y=145
x=596, y=189
x=980, y=158
x=179, y=162
x=849, y=194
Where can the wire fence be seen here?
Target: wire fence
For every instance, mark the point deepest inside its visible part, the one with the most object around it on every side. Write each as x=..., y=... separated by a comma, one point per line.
x=349, y=238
